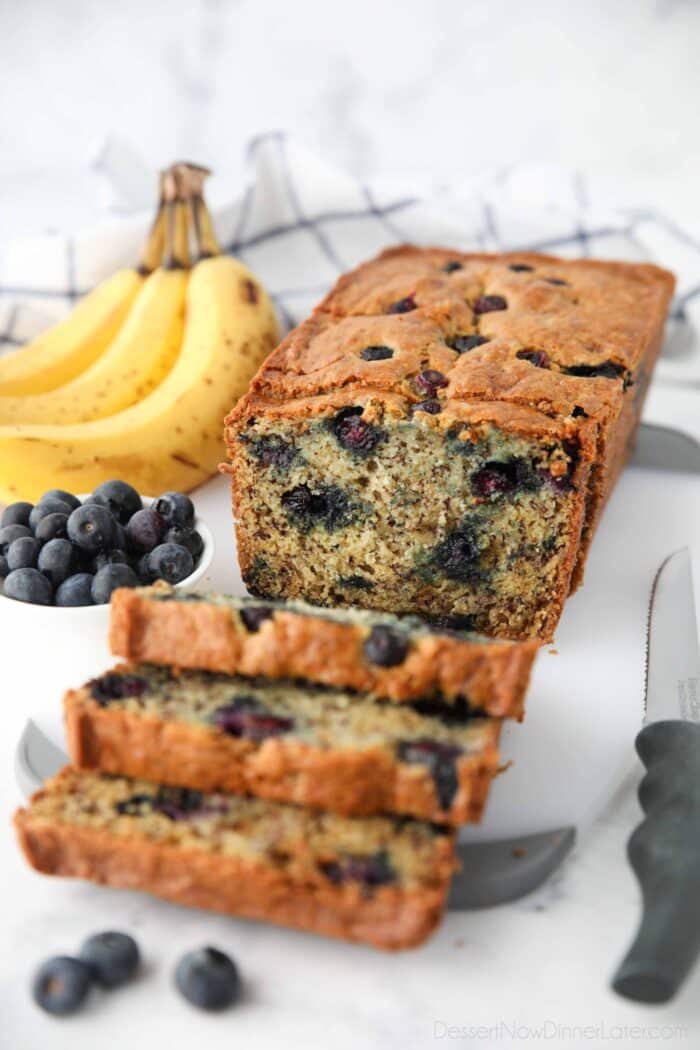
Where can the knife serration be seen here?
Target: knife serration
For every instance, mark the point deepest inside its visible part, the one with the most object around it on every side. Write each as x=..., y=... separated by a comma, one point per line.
x=672, y=666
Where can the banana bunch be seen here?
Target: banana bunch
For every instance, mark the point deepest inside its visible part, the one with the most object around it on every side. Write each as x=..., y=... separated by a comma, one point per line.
x=135, y=384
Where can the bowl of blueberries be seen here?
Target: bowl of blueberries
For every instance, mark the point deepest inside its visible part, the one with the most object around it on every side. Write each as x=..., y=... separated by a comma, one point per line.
x=70, y=551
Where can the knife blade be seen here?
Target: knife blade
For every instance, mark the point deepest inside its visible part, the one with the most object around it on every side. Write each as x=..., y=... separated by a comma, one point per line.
x=664, y=850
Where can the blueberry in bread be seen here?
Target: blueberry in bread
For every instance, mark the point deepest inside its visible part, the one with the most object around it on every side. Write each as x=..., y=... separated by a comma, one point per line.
x=379, y=880
x=284, y=741
x=445, y=429
x=404, y=659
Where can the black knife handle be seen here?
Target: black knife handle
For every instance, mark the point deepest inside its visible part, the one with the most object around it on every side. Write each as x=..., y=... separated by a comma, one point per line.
x=664, y=851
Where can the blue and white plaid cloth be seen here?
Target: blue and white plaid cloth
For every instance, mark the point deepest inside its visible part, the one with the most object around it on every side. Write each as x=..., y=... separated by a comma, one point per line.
x=300, y=222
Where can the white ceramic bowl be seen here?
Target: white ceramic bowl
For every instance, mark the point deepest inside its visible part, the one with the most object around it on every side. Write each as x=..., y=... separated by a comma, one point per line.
x=85, y=610
x=47, y=649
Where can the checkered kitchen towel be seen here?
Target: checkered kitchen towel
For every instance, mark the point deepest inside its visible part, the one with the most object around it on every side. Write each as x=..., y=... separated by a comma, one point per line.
x=300, y=223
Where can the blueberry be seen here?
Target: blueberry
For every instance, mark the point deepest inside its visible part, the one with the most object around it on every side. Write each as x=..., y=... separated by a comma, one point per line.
x=4, y=567
x=177, y=803
x=328, y=507
x=496, y=478
x=458, y=555
x=464, y=343
x=52, y=505
x=354, y=433
x=208, y=978
x=376, y=353
x=170, y=562
x=91, y=528
x=145, y=529
x=403, y=306
x=453, y=622
x=538, y=358
x=271, y=450
x=521, y=268
x=16, y=514
x=112, y=957
x=373, y=870
x=451, y=266
x=175, y=508
x=255, y=615
x=56, y=560
x=486, y=304
x=75, y=590
x=120, y=499
x=247, y=718
x=606, y=369
x=115, y=556
x=113, y=685
x=63, y=496
x=430, y=380
x=556, y=280
x=143, y=570
x=188, y=538
x=10, y=533
x=109, y=579
x=61, y=985
x=441, y=760
x=28, y=585
x=120, y=540
x=431, y=406
x=385, y=646
x=51, y=527
x=23, y=553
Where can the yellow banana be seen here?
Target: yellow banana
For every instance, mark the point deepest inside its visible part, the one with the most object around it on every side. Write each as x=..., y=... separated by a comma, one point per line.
x=71, y=346
x=173, y=438
x=138, y=359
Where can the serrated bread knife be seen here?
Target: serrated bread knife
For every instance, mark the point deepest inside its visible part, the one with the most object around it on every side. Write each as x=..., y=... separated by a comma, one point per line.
x=664, y=850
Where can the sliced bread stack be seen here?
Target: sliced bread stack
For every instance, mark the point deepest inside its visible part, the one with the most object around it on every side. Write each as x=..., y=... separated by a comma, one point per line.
x=283, y=762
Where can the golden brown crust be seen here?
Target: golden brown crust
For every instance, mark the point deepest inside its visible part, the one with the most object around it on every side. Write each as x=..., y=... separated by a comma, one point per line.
x=392, y=917
x=493, y=676
x=353, y=783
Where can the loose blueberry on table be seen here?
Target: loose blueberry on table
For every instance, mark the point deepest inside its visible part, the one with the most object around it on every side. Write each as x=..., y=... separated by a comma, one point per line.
x=208, y=978
x=112, y=957
x=61, y=985
x=65, y=552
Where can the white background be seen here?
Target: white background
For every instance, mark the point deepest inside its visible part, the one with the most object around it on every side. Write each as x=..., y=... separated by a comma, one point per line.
x=410, y=90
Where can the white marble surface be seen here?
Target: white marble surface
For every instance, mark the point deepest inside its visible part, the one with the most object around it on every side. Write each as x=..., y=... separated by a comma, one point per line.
x=421, y=89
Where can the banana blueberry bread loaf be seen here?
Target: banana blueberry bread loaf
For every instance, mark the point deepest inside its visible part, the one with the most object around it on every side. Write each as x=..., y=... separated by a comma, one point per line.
x=378, y=880
x=284, y=741
x=441, y=434
x=378, y=654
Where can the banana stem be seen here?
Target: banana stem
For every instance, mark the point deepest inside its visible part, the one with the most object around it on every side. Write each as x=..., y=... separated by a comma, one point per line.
x=192, y=177
x=152, y=251
x=177, y=253
x=207, y=242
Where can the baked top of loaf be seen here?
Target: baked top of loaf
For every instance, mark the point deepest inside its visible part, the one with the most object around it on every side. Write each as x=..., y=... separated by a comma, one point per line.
x=397, y=658
x=413, y=310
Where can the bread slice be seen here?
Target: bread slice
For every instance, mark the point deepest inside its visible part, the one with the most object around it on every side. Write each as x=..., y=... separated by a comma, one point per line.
x=377, y=880
x=399, y=659
x=286, y=741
